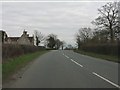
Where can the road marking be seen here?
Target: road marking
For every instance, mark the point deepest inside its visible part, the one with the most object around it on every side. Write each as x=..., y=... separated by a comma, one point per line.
x=106, y=80
x=76, y=63
x=66, y=56
x=73, y=61
x=94, y=73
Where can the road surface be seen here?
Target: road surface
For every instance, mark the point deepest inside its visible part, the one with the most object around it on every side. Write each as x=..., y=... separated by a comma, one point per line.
x=67, y=69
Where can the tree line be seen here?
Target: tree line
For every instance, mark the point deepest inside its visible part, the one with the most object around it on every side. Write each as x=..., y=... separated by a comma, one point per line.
x=51, y=41
x=106, y=31
x=107, y=27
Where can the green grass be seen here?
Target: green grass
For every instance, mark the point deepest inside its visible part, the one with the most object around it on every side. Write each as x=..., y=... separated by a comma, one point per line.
x=101, y=56
x=13, y=65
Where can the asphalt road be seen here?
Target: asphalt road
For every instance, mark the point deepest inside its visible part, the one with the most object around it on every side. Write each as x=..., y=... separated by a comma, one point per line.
x=67, y=69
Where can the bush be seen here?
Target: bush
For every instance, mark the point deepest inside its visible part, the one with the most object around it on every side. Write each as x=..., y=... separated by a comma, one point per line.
x=107, y=49
x=11, y=50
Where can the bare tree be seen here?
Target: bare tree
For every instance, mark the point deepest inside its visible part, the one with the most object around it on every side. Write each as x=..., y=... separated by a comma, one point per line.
x=118, y=26
x=39, y=37
x=78, y=40
x=108, y=18
x=83, y=36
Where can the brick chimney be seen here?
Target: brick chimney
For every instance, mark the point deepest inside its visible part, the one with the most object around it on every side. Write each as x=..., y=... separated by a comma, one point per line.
x=25, y=32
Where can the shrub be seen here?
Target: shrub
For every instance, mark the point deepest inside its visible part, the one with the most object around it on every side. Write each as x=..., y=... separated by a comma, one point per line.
x=12, y=50
x=107, y=49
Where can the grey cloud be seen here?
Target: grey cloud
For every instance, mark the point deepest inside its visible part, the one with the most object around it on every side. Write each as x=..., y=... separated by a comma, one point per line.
x=55, y=0
x=63, y=19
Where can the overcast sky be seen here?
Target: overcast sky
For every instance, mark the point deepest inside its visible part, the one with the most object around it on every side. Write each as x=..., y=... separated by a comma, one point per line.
x=61, y=18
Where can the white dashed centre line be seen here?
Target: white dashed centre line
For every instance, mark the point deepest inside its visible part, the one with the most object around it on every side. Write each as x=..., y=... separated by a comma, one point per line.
x=106, y=80
x=76, y=63
x=94, y=73
x=66, y=56
x=73, y=61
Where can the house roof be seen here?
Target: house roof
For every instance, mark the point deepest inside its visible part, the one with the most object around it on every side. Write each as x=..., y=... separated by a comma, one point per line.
x=13, y=38
x=16, y=38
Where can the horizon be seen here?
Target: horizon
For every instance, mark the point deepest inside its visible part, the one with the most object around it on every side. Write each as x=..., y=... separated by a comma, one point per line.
x=63, y=19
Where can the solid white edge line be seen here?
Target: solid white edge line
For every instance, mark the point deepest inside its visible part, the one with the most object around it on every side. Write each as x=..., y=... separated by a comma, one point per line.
x=106, y=80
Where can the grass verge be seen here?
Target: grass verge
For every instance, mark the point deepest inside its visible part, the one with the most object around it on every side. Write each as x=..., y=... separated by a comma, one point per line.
x=101, y=56
x=13, y=65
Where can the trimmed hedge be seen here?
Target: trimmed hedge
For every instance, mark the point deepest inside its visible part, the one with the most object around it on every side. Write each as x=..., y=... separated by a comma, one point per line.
x=11, y=50
x=106, y=49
